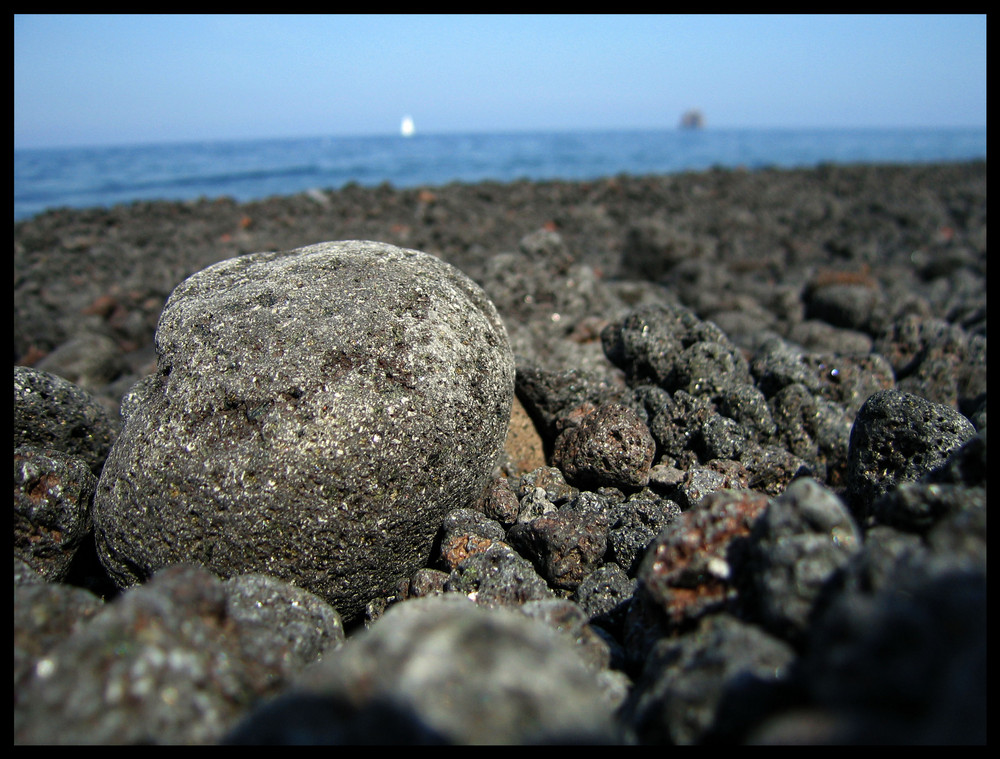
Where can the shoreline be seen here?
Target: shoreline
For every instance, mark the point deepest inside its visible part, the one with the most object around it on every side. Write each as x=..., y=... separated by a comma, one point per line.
x=729, y=326
x=107, y=272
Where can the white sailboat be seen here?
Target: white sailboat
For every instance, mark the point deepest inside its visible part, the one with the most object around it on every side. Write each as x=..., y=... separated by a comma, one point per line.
x=406, y=128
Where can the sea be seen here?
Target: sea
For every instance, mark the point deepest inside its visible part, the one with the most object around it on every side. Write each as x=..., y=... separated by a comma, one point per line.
x=84, y=177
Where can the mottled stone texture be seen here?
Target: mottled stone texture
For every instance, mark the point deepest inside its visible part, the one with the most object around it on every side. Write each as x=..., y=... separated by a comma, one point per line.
x=442, y=670
x=51, y=412
x=314, y=415
x=898, y=437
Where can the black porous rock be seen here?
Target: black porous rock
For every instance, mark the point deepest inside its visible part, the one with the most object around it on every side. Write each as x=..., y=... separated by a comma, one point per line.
x=443, y=670
x=497, y=576
x=51, y=412
x=898, y=437
x=633, y=526
x=604, y=596
x=314, y=415
x=550, y=397
x=937, y=360
x=906, y=664
x=959, y=485
x=814, y=429
x=609, y=447
x=673, y=348
x=689, y=680
x=797, y=546
x=568, y=619
x=53, y=492
x=565, y=545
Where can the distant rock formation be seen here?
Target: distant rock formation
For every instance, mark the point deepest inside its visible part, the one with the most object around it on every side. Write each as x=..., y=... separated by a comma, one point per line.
x=692, y=119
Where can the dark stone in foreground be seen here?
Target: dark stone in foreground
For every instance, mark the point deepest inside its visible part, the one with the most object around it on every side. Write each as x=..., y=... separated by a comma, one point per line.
x=688, y=680
x=442, y=670
x=176, y=661
x=314, y=416
x=799, y=543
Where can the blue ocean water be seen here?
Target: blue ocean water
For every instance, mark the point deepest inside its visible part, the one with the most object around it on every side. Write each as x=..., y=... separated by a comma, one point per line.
x=250, y=170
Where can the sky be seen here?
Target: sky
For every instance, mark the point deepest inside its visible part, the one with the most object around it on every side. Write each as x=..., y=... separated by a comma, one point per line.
x=119, y=80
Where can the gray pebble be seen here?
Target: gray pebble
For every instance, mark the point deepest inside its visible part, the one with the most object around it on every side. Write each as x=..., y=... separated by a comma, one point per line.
x=289, y=617
x=164, y=663
x=45, y=614
x=795, y=550
x=443, y=670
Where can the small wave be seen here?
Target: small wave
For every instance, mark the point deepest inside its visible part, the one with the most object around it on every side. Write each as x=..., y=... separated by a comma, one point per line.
x=213, y=181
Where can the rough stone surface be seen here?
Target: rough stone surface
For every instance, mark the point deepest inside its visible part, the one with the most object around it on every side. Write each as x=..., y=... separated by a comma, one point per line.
x=165, y=663
x=673, y=347
x=690, y=570
x=294, y=619
x=895, y=647
x=314, y=415
x=497, y=576
x=446, y=671
x=500, y=503
x=634, y=525
x=898, y=437
x=566, y=545
x=604, y=595
x=611, y=446
x=688, y=680
x=797, y=545
x=907, y=664
x=45, y=614
x=51, y=412
x=465, y=532
x=52, y=497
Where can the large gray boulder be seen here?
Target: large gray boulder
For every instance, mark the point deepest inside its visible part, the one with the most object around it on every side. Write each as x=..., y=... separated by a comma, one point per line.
x=314, y=416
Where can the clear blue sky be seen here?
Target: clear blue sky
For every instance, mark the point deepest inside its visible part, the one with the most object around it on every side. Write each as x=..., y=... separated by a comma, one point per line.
x=82, y=80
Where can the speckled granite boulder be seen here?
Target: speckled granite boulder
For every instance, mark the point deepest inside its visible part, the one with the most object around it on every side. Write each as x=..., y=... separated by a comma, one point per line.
x=314, y=415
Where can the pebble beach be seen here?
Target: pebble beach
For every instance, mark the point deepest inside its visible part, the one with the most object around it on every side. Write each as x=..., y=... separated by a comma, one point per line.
x=741, y=497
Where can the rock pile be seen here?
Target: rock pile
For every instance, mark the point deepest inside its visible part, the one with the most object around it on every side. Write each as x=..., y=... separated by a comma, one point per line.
x=760, y=399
